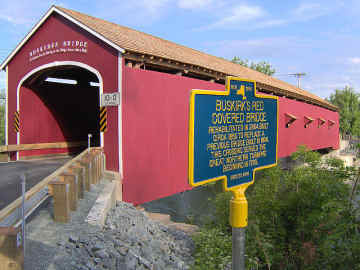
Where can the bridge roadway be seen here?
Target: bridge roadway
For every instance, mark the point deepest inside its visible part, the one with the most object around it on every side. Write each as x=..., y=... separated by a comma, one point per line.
x=35, y=170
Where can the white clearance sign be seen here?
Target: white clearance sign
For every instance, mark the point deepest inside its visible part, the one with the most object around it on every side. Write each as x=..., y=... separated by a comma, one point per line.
x=112, y=99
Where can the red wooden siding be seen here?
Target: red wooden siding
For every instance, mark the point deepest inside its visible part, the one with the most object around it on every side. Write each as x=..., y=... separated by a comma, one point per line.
x=155, y=132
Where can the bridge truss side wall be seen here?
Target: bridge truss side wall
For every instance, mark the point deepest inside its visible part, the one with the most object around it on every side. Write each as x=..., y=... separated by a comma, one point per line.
x=155, y=138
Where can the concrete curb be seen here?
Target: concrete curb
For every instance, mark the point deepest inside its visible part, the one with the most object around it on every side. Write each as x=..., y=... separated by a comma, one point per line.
x=103, y=204
x=116, y=178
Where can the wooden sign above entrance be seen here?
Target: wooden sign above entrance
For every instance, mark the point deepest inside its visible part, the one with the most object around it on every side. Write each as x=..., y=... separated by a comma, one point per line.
x=57, y=47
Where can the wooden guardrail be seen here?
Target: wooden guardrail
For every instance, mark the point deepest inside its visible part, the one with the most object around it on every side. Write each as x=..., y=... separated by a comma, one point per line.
x=55, y=175
x=37, y=146
x=67, y=184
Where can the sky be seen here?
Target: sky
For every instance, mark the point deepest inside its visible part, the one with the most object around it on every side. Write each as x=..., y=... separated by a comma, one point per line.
x=319, y=38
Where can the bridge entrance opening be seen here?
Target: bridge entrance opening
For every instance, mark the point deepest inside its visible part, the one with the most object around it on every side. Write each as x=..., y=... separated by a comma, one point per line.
x=60, y=104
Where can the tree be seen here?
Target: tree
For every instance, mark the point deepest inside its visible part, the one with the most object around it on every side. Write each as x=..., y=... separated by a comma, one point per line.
x=261, y=66
x=348, y=102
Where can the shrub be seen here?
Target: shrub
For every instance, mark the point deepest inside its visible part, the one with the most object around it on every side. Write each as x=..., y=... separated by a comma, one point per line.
x=303, y=218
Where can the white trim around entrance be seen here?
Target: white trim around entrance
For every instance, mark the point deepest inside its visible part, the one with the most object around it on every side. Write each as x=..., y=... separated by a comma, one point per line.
x=58, y=64
x=120, y=115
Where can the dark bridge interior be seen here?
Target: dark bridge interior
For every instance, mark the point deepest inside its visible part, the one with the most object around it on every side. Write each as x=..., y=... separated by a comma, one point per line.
x=71, y=94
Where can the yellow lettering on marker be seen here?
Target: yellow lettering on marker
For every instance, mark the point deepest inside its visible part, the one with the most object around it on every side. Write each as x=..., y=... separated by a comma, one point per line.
x=256, y=117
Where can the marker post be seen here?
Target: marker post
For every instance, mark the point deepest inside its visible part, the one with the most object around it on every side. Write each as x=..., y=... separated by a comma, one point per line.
x=238, y=221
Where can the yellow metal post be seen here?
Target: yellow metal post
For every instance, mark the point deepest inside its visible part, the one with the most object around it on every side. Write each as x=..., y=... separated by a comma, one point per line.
x=239, y=208
x=238, y=221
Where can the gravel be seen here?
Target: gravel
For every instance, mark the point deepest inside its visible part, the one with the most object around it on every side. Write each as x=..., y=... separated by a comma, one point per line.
x=128, y=241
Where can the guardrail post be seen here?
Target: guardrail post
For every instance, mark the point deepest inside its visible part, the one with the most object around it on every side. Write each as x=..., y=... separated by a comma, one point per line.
x=61, y=201
x=98, y=166
x=103, y=162
x=95, y=172
x=70, y=179
x=11, y=250
x=79, y=175
x=85, y=164
x=92, y=167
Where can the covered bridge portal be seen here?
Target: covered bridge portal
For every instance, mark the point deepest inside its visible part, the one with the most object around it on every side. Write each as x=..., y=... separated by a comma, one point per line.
x=57, y=74
x=70, y=104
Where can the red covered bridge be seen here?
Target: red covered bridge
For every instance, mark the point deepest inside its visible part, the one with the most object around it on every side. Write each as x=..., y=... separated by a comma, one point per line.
x=147, y=134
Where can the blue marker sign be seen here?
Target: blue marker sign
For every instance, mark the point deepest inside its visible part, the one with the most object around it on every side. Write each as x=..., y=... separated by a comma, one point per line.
x=232, y=134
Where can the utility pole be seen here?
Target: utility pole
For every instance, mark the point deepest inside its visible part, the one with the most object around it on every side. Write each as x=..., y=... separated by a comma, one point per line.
x=298, y=76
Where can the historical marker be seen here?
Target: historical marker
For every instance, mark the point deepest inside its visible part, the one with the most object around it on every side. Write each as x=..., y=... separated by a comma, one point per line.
x=232, y=134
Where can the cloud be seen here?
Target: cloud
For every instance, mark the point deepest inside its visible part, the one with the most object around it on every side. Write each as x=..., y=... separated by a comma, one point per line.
x=259, y=49
x=310, y=10
x=153, y=6
x=269, y=23
x=238, y=15
x=354, y=60
x=194, y=4
x=325, y=83
x=23, y=12
x=131, y=13
x=252, y=17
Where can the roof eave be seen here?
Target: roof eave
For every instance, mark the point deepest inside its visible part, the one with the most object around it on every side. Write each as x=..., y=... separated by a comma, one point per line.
x=43, y=19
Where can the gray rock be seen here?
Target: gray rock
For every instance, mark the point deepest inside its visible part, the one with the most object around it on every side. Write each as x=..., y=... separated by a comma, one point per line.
x=158, y=267
x=146, y=252
x=61, y=243
x=102, y=254
x=107, y=263
x=118, y=243
x=89, y=265
x=123, y=250
x=145, y=262
x=129, y=241
x=180, y=264
x=120, y=264
x=89, y=251
x=97, y=246
x=141, y=267
x=73, y=239
x=84, y=240
x=131, y=261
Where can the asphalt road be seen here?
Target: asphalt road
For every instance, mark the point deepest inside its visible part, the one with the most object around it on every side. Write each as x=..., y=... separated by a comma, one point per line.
x=35, y=170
